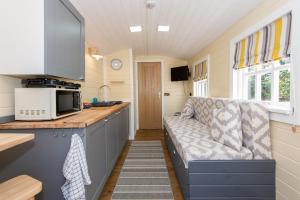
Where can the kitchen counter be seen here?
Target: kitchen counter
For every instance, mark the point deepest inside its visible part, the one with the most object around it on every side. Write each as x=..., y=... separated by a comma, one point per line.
x=81, y=120
x=10, y=140
x=104, y=133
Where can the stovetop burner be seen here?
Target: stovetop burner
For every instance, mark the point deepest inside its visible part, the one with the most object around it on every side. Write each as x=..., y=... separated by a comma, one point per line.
x=49, y=83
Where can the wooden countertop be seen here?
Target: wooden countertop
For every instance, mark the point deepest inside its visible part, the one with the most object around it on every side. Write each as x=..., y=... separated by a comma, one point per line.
x=9, y=140
x=20, y=188
x=81, y=120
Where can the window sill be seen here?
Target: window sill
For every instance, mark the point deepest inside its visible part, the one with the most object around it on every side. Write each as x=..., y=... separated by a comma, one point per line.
x=278, y=110
x=280, y=114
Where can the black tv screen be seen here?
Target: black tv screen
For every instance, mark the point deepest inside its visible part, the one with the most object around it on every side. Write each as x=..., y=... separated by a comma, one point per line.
x=180, y=73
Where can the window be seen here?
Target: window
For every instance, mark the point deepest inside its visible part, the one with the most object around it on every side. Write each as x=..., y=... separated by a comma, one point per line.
x=200, y=88
x=269, y=83
x=261, y=62
x=200, y=78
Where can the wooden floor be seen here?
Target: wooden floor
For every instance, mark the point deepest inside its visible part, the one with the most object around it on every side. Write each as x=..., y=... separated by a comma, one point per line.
x=142, y=135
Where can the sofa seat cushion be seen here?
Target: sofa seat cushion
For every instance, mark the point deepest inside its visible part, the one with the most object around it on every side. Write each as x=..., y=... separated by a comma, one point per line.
x=205, y=149
x=177, y=126
x=193, y=141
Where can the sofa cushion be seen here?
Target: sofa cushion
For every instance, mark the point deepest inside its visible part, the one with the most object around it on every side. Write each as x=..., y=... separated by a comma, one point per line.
x=205, y=149
x=188, y=110
x=256, y=130
x=204, y=108
x=255, y=122
x=193, y=141
x=186, y=126
x=226, y=126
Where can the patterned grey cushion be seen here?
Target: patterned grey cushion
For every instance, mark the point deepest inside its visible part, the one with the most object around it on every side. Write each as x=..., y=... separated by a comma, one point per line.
x=193, y=141
x=256, y=130
x=188, y=110
x=226, y=126
x=204, y=108
x=255, y=123
x=203, y=149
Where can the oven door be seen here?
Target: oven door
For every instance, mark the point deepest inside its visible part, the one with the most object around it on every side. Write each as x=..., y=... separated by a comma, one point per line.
x=67, y=102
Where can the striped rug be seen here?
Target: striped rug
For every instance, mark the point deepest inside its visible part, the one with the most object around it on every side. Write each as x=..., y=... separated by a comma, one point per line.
x=144, y=174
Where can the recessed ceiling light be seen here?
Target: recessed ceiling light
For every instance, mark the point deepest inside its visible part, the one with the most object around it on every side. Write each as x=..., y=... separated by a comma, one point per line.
x=163, y=28
x=134, y=29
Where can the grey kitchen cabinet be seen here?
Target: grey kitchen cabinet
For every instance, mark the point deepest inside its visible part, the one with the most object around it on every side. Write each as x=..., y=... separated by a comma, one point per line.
x=112, y=141
x=96, y=155
x=48, y=42
x=123, y=127
x=43, y=158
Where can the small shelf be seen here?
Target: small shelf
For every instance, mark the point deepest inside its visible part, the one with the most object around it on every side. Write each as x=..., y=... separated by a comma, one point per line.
x=9, y=140
x=21, y=187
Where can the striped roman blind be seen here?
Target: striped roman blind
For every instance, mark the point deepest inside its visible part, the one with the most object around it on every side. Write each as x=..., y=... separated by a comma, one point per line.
x=200, y=71
x=270, y=43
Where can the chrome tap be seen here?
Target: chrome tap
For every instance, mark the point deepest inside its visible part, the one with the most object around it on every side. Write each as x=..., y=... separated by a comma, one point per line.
x=102, y=87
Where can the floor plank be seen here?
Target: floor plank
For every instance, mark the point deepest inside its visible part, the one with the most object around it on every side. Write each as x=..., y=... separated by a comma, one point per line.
x=142, y=135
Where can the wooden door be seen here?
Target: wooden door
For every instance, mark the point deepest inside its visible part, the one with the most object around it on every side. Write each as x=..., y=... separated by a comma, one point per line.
x=149, y=84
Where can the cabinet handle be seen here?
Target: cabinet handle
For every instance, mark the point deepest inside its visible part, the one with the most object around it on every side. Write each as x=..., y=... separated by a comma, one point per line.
x=174, y=152
x=106, y=120
x=117, y=113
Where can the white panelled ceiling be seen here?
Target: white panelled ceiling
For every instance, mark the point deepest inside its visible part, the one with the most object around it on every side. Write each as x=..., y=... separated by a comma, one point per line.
x=193, y=24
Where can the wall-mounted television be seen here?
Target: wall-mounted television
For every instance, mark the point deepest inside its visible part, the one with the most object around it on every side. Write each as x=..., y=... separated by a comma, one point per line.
x=180, y=73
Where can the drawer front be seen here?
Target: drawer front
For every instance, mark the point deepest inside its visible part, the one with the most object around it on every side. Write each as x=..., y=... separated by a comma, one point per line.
x=181, y=171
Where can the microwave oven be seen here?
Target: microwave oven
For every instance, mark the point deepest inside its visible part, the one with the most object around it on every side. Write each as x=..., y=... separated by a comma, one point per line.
x=46, y=103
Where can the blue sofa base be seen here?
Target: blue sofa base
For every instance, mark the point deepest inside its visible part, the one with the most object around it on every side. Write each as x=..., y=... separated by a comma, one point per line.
x=224, y=179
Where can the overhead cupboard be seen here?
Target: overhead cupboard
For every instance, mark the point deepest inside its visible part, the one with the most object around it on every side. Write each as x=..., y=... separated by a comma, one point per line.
x=42, y=37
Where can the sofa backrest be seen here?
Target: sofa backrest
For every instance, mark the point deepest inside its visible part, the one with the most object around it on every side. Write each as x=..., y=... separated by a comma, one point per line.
x=255, y=122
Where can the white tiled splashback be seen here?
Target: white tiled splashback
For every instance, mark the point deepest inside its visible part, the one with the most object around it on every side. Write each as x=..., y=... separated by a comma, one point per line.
x=7, y=86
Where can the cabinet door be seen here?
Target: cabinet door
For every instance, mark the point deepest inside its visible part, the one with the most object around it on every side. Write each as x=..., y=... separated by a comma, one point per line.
x=124, y=126
x=64, y=40
x=112, y=142
x=119, y=130
x=96, y=158
x=127, y=125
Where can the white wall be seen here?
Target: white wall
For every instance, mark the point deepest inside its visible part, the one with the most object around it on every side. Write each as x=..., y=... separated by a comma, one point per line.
x=94, y=78
x=7, y=86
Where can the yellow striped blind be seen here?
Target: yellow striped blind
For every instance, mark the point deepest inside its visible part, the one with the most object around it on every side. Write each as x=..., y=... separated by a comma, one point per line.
x=200, y=71
x=270, y=43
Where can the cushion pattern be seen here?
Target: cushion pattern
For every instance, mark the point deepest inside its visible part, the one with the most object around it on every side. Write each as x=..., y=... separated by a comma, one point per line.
x=201, y=149
x=255, y=122
x=205, y=106
x=193, y=141
x=188, y=110
x=256, y=129
x=226, y=126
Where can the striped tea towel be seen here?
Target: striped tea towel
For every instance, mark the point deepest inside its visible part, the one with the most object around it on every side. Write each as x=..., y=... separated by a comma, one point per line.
x=75, y=171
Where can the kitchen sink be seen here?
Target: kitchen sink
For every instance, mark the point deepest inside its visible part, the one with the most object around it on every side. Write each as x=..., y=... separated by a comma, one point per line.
x=106, y=103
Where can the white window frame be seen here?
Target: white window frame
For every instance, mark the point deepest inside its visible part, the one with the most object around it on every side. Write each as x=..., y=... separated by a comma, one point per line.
x=273, y=104
x=202, y=85
x=290, y=115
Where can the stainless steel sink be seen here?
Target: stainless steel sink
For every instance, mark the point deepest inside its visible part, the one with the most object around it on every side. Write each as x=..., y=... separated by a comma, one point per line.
x=106, y=103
